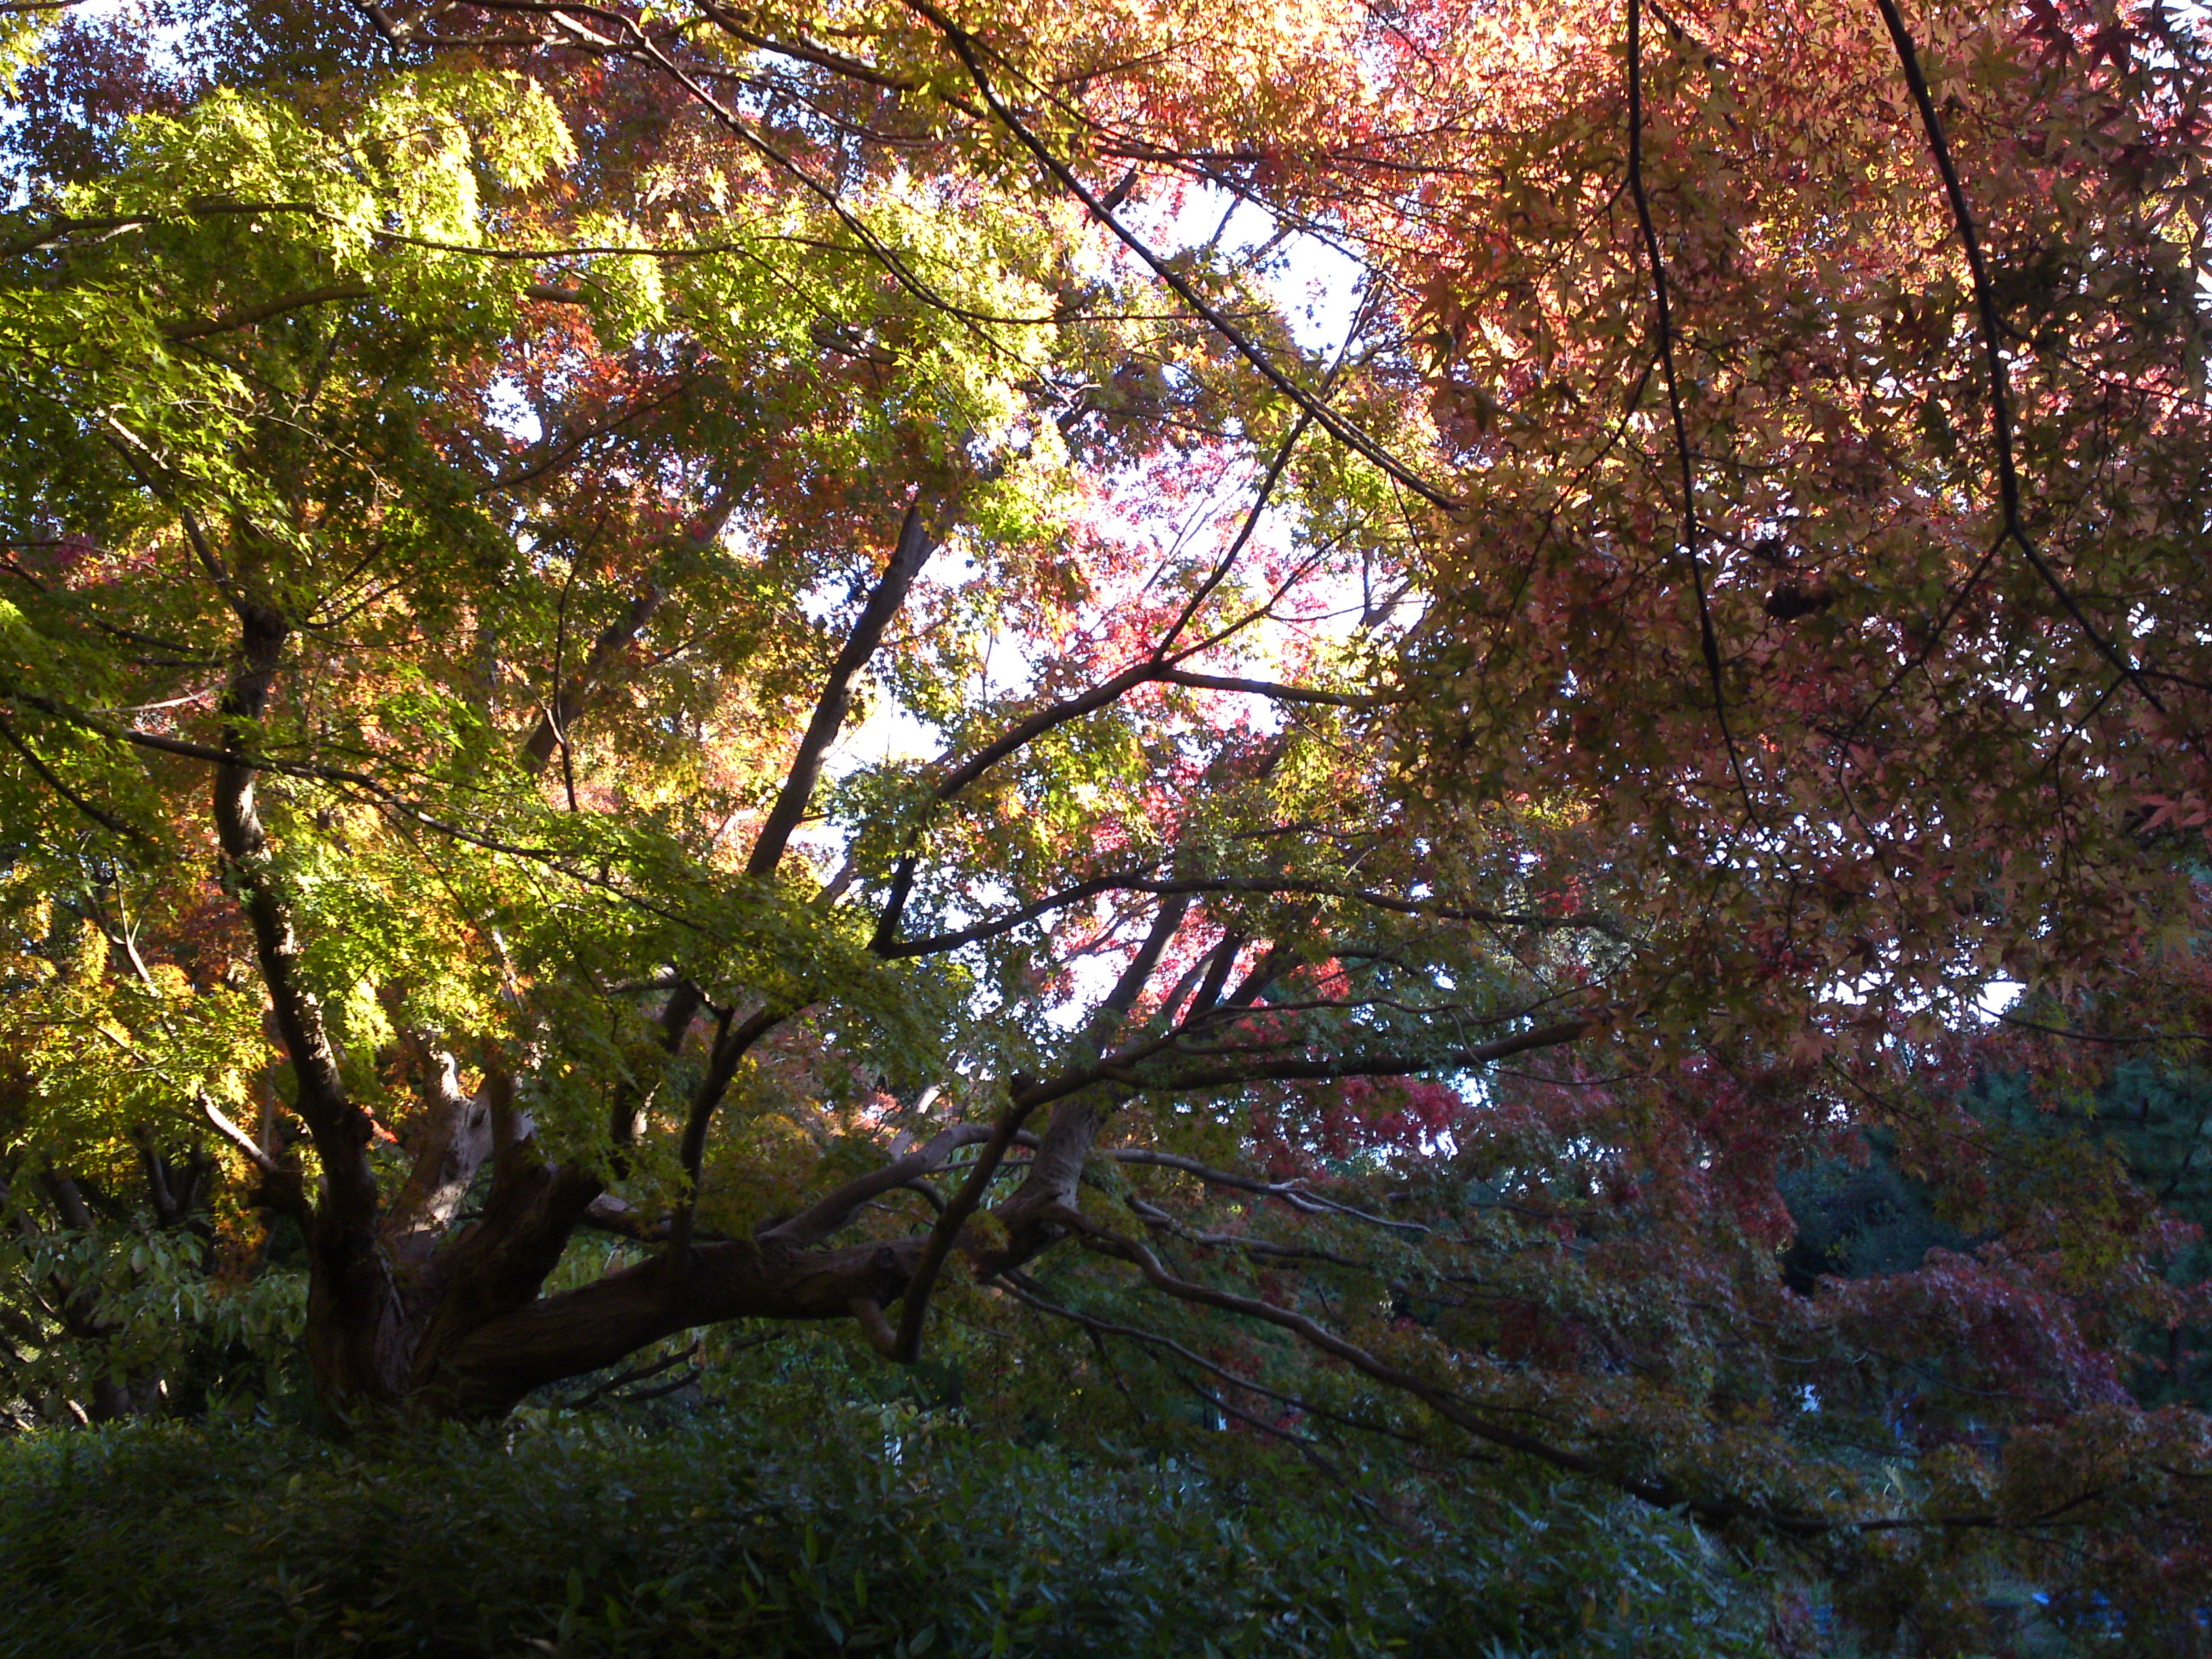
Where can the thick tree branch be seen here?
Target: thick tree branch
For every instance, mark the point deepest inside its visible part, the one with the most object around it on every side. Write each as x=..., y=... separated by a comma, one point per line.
x=1058, y=1161
x=1329, y=1067
x=340, y=1128
x=502, y=1358
x=826, y=1215
x=499, y=1262
x=945, y=1232
x=1057, y=1170
x=453, y=1141
x=247, y=316
x=1271, y=690
x=875, y=618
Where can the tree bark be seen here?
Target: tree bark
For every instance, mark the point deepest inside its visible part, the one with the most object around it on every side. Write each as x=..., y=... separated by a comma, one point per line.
x=501, y=1360
x=355, y=1348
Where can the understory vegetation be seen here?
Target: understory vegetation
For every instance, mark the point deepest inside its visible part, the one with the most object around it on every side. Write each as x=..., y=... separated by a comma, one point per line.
x=796, y=1526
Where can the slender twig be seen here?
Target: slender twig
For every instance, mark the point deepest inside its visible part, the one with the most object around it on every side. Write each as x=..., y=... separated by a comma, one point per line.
x=1663, y=329
x=636, y=1374
x=106, y=820
x=965, y=48
x=1992, y=330
x=1025, y=1290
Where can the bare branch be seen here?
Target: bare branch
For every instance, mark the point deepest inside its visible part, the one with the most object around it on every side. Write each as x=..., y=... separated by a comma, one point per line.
x=1992, y=333
x=820, y=1219
x=732, y=1043
x=1663, y=326
x=1270, y=689
x=884, y=605
x=965, y=48
x=1227, y=561
x=1261, y=886
x=1036, y=724
x=1292, y=1192
x=636, y=1374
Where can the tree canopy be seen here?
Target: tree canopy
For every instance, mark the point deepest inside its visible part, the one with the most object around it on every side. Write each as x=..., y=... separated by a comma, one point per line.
x=1346, y=706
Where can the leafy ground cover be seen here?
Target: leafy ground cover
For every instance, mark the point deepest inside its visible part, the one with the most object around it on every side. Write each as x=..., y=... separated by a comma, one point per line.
x=886, y=1533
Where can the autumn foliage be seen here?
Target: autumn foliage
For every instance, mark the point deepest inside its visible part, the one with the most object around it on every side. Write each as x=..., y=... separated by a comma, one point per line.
x=1482, y=727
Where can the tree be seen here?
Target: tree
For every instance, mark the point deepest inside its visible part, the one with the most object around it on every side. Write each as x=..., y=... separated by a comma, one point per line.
x=684, y=623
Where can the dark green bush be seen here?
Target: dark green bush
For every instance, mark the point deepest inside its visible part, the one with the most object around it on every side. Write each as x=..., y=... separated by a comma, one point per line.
x=876, y=1531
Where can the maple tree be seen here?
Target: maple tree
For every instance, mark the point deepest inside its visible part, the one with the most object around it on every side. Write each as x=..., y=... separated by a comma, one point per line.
x=729, y=630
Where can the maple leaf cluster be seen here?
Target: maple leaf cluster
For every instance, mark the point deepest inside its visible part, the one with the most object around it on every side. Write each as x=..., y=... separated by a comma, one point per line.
x=668, y=665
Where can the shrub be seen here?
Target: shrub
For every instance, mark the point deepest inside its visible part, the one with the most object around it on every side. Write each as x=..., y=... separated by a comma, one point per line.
x=883, y=1531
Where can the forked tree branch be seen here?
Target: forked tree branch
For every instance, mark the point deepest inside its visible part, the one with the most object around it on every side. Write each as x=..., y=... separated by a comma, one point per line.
x=826, y=1215
x=1058, y=1161
x=280, y=1187
x=1227, y=561
x=945, y=1231
x=732, y=1043
x=1292, y=1193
